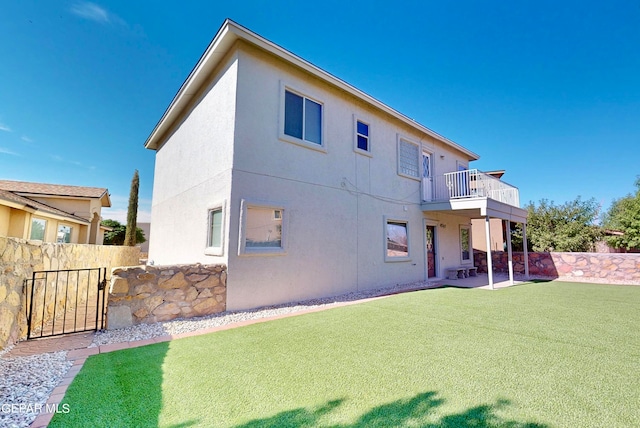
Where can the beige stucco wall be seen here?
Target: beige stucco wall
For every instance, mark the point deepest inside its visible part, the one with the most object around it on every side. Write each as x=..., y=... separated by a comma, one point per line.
x=480, y=237
x=193, y=175
x=80, y=207
x=19, y=258
x=16, y=223
x=84, y=208
x=336, y=201
x=83, y=235
x=51, y=228
x=228, y=150
x=5, y=216
x=19, y=224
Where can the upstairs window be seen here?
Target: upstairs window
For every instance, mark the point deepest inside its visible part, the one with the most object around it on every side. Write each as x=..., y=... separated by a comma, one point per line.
x=408, y=163
x=302, y=118
x=362, y=136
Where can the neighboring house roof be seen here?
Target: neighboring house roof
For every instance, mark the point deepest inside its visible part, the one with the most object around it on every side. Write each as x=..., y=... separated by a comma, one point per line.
x=22, y=202
x=497, y=174
x=25, y=188
x=229, y=33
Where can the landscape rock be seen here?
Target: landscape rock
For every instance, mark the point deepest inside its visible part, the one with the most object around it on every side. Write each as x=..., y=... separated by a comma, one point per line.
x=586, y=266
x=169, y=292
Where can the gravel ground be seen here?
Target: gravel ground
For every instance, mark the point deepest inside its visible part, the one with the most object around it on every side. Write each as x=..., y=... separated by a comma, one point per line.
x=26, y=384
x=183, y=325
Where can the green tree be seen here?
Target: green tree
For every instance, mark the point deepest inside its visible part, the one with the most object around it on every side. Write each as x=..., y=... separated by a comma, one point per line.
x=624, y=216
x=567, y=227
x=132, y=211
x=516, y=237
x=117, y=233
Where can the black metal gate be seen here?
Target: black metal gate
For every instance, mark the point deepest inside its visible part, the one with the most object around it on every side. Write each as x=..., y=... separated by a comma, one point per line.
x=65, y=301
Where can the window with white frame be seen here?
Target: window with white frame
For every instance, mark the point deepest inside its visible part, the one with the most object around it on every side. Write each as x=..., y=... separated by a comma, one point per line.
x=38, y=228
x=262, y=229
x=465, y=244
x=363, y=142
x=215, y=228
x=64, y=234
x=302, y=118
x=408, y=159
x=396, y=233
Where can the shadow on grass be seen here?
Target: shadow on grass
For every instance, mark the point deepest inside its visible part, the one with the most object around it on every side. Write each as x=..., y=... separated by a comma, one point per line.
x=415, y=412
x=457, y=287
x=132, y=396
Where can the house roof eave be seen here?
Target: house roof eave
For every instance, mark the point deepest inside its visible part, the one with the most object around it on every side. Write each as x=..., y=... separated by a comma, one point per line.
x=31, y=206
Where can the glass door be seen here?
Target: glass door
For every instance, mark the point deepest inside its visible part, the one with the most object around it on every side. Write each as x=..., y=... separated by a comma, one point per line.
x=431, y=251
x=427, y=178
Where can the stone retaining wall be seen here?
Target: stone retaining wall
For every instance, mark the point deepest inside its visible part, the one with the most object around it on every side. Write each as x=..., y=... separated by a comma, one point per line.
x=147, y=294
x=614, y=267
x=19, y=258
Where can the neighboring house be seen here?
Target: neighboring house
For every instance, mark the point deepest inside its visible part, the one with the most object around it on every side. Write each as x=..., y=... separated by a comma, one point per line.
x=146, y=227
x=603, y=247
x=304, y=185
x=498, y=228
x=52, y=212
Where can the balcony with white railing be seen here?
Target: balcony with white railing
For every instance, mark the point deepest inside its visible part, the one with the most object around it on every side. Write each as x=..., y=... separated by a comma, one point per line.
x=468, y=184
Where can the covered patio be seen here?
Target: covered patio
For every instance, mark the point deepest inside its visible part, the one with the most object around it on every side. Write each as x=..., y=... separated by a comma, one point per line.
x=500, y=280
x=477, y=195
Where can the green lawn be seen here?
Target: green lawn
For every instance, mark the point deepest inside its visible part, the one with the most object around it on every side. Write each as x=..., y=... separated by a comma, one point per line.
x=536, y=355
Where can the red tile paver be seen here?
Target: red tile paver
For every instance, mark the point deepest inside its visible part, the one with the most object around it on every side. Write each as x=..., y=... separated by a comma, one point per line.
x=55, y=398
x=161, y=339
x=82, y=353
x=139, y=343
x=51, y=344
x=113, y=347
x=59, y=390
x=42, y=420
x=78, y=361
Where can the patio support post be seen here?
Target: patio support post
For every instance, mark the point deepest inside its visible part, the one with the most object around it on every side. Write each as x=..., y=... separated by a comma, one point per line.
x=526, y=253
x=487, y=228
x=509, y=252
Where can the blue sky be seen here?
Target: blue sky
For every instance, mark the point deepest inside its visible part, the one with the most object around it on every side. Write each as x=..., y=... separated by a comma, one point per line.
x=547, y=90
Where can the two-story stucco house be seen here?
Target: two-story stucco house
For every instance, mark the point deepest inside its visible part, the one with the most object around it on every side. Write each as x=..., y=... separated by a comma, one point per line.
x=304, y=185
x=52, y=212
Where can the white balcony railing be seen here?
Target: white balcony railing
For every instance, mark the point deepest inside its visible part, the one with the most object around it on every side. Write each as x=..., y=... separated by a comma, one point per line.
x=469, y=183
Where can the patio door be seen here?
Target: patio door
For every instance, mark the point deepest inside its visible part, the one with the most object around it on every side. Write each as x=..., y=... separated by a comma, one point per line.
x=430, y=240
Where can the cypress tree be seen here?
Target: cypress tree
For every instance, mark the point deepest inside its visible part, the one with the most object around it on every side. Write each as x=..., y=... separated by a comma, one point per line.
x=132, y=211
